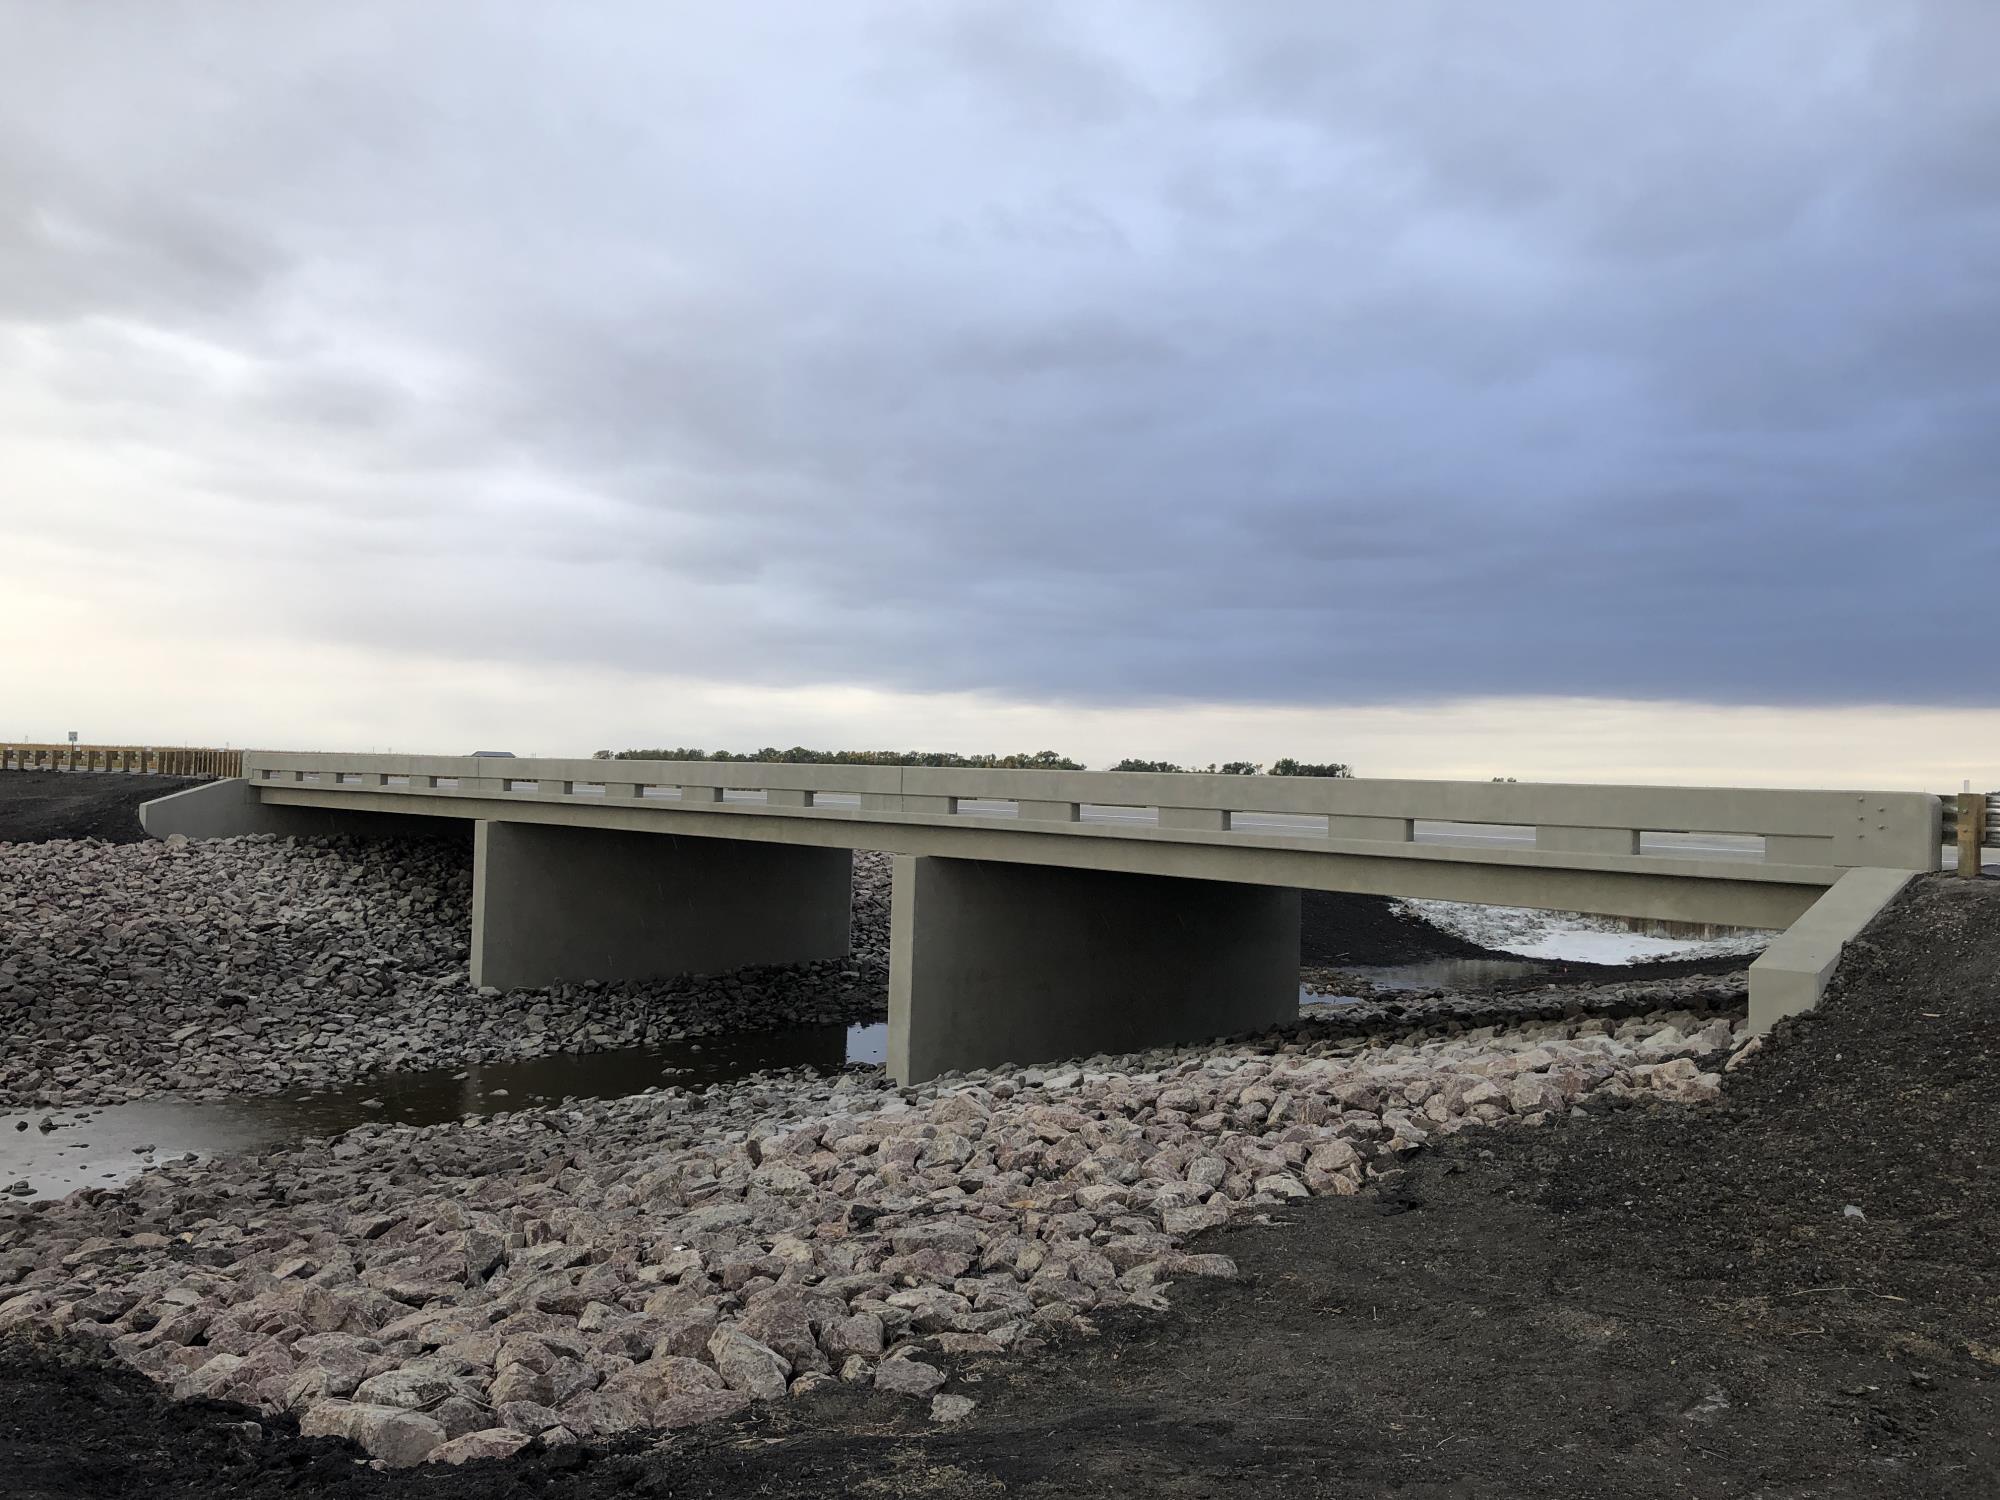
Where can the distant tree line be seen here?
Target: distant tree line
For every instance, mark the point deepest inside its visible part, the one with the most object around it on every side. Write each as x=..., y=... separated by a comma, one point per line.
x=1282, y=767
x=798, y=755
x=1040, y=760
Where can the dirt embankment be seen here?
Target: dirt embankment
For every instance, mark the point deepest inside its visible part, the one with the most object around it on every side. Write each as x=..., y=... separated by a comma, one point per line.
x=36, y=806
x=1794, y=1293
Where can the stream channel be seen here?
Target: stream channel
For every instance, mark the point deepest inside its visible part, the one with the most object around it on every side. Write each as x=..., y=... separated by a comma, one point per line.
x=57, y=1151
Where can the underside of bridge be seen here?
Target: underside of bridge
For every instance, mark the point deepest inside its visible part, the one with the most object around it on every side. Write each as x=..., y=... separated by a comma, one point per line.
x=990, y=962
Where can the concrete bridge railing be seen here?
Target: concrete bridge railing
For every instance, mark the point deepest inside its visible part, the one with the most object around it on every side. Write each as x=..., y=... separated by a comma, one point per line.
x=1831, y=830
x=1039, y=914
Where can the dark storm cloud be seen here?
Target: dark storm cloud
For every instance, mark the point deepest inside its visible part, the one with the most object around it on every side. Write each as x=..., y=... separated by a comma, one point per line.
x=1273, y=353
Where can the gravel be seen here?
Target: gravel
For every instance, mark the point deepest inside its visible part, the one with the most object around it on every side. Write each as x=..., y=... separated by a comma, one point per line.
x=254, y=965
x=673, y=1258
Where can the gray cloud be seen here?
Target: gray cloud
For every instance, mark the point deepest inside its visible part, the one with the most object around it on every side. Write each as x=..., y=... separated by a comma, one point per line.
x=1119, y=352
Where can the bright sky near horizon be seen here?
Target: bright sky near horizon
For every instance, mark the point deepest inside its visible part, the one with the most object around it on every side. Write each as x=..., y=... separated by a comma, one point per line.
x=1566, y=391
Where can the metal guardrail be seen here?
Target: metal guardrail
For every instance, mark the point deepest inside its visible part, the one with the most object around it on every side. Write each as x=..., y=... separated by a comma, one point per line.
x=155, y=760
x=1951, y=801
x=1972, y=822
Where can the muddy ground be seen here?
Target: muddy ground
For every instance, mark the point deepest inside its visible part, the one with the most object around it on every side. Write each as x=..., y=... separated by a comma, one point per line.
x=1646, y=1302
x=39, y=805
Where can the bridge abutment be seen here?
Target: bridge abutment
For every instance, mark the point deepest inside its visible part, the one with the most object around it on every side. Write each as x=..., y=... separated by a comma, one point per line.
x=230, y=809
x=552, y=904
x=995, y=962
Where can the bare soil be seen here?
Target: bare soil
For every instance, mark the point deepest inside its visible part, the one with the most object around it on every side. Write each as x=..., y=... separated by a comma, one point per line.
x=1639, y=1302
x=36, y=806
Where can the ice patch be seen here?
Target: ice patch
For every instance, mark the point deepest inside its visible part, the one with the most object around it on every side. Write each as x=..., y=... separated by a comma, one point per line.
x=1575, y=937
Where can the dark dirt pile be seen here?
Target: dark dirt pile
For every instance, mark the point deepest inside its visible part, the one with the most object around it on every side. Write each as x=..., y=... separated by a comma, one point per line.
x=1643, y=1302
x=1860, y=1191
x=36, y=806
x=1340, y=927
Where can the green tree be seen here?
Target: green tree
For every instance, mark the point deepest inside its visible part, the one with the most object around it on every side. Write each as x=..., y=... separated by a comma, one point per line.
x=1289, y=767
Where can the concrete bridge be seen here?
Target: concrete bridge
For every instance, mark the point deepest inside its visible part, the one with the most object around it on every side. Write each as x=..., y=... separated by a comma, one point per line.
x=1045, y=914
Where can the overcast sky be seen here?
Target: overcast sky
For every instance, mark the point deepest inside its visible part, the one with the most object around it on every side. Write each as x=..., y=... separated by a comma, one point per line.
x=1149, y=378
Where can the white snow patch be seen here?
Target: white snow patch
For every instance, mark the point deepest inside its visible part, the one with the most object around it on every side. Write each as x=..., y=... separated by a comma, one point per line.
x=1575, y=936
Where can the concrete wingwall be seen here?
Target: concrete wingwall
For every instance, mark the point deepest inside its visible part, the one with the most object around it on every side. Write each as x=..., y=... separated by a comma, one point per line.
x=1790, y=976
x=232, y=809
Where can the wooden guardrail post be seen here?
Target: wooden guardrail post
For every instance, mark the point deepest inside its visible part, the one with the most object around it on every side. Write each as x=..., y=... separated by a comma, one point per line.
x=1971, y=831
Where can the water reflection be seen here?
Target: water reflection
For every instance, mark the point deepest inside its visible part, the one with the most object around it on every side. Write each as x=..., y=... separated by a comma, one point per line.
x=1451, y=973
x=1432, y=974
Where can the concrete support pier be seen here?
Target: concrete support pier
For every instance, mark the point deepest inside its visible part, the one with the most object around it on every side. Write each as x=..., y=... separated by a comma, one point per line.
x=553, y=904
x=996, y=963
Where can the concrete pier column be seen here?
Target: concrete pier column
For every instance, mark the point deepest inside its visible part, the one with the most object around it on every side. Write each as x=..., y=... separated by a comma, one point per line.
x=551, y=904
x=996, y=963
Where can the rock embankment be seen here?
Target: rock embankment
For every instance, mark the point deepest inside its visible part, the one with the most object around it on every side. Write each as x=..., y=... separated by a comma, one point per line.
x=672, y=1258
x=258, y=964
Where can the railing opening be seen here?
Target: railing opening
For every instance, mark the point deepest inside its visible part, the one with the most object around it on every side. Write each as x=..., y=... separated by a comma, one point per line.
x=988, y=807
x=1112, y=812
x=1680, y=844
x=1279, y=825
x=1474, y=835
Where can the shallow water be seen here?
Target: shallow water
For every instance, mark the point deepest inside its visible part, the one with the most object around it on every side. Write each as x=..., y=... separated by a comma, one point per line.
x=98, y=1146
x=1451, y=973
